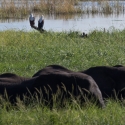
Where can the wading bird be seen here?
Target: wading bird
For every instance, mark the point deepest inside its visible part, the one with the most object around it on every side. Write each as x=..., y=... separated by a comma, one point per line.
x=32, y=20
x=41, y=23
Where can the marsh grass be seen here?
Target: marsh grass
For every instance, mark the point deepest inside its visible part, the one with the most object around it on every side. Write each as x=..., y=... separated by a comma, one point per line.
x=34, y=111
x=10, y=9
x=72, y=114
x=104, y=7
x=24, y=53
x=19, y=9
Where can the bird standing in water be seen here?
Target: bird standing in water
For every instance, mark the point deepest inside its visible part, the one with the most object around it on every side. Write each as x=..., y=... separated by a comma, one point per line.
x=41, y=23
x=32, y=20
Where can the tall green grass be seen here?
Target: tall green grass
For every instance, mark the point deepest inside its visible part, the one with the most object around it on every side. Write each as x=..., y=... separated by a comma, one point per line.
x=71, y=115
x=24, y=53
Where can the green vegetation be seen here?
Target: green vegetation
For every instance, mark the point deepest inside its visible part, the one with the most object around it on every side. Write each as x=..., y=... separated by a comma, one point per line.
x=24, y=53
x=90, y=115
x=21, y=8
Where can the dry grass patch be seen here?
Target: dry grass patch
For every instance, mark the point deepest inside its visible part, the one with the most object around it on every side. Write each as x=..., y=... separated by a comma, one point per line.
x=17, y=9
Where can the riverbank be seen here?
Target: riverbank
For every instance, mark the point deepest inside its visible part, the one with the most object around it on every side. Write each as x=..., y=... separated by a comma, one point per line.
x=24, y=53
x=20, y=9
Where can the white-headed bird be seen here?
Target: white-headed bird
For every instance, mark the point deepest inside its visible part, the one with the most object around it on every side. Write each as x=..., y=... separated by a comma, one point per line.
x=32, y=20
x=41, y=23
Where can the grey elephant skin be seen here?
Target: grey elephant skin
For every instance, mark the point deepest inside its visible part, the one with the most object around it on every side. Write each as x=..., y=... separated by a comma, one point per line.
x=54, y=75
x=49, y=82
x=110, y=80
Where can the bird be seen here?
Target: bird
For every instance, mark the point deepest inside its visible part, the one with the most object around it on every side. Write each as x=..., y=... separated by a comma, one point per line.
x=84, y=35
x=32, y=20
x=41, y=23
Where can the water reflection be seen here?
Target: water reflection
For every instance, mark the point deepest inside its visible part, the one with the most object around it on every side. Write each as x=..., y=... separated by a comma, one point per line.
x=79, y=22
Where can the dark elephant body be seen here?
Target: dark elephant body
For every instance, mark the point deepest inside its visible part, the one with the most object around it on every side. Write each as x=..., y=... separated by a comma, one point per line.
x=75, y=84
x=52, y=69
x=56, y=75
x=68, y=83
x=111, y=80
x=15, y=85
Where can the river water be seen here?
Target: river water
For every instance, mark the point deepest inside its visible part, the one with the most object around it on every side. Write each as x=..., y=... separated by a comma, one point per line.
x=82, y=23
x=79, y=22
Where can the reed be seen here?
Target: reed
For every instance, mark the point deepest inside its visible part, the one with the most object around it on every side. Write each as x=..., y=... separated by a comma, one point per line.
x=59, y=6
x=20, y=8
x=72, y=114
x=10, y=9
x=104, y=7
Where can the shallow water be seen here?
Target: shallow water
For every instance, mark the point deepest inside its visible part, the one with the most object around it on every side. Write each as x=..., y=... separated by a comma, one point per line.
x=82, y=23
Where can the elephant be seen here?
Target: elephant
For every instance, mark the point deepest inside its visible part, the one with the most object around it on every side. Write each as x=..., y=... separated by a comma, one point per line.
x=51, y=69
x=48, y=83
x=54, y=75
x=110, y=80
x=12, y=85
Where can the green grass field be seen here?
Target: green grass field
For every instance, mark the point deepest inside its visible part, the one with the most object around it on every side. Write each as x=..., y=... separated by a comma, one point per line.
x=24, y=53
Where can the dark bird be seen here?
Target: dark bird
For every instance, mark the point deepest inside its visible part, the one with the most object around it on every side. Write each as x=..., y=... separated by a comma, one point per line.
x=84, y=35
x=32, y=20
x=41, y=23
